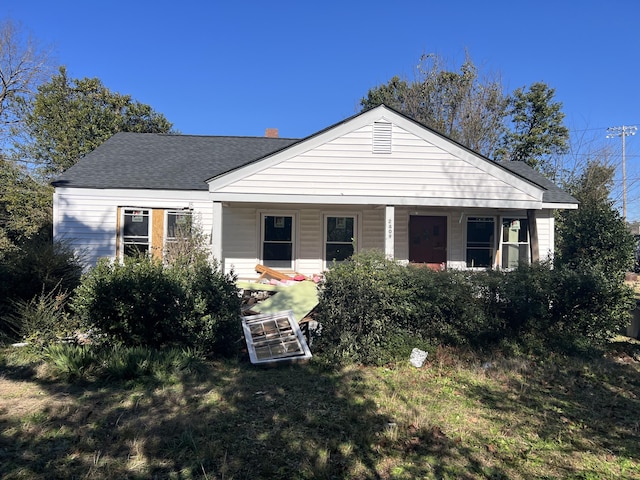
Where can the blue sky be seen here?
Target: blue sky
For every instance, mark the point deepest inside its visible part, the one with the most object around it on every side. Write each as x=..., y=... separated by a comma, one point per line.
x=237, y=68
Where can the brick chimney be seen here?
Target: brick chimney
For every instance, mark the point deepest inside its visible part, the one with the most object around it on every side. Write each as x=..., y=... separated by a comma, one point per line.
x=271, y=133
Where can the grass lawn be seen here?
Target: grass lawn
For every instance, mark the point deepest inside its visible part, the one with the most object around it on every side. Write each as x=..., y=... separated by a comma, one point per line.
x=471, y=418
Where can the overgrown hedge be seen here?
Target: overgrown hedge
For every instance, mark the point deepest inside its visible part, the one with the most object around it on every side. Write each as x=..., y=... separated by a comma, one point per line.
x=372, y=309
x=142, y=302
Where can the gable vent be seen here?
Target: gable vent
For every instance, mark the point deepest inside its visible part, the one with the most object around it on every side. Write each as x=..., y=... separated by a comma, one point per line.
x=381, y=137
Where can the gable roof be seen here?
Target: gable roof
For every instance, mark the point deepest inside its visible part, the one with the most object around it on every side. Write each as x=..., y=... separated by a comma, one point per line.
x=163, y=161
x=187, y=162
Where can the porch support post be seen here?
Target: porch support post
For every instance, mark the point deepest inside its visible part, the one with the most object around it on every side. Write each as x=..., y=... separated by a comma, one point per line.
x=533, y=234
x=216, y=232
x=389, y=231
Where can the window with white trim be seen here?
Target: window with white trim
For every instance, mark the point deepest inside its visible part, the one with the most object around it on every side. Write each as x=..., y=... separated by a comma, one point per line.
x=340, y=235
x=178, y=224
x=136, y=231
x=278, y=241
x=480, y=242
x=515, y=242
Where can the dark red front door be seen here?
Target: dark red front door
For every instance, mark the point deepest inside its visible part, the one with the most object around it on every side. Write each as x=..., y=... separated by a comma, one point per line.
x=428, y=240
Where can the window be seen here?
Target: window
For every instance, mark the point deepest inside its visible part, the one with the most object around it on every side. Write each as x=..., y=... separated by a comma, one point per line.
x=178, y=225
x=515, y=242
x=274, y=337
x=480, y=241
x=277, y=241
x=340, y=235
x=136, y=226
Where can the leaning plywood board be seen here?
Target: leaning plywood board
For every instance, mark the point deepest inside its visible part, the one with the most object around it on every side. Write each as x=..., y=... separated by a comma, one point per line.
x=301, y=298
x=274, y=337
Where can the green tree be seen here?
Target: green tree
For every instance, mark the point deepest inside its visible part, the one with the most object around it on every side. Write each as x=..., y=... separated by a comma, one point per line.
x=595, y=233
x=25, y=205
x=461, y=105
x=71, y=117
x=537, y=132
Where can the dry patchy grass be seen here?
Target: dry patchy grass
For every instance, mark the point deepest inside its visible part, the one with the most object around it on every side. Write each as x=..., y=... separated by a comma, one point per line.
x=462, y=418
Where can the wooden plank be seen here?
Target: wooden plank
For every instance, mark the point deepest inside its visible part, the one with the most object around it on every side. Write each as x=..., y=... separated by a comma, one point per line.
x=267, y=272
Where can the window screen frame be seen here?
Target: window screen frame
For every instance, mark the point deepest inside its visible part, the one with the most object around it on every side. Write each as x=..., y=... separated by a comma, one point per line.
x=274, y=337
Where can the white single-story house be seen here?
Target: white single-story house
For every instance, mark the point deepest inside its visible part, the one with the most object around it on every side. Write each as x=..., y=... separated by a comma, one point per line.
x=377, y=180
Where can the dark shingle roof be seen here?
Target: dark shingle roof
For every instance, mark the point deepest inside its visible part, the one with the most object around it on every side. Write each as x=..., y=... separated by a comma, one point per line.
x=186, y=162
x=160, y=161
x=552, y=193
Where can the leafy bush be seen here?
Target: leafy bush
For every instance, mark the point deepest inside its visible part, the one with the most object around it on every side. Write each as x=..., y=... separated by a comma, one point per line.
x=589, y=305
x=450, y=307
x=37, y=268
x=43, y=320
x=373, y=310
x=361, y=303
x=134, y=303
x=212, y=306
x=142, y=302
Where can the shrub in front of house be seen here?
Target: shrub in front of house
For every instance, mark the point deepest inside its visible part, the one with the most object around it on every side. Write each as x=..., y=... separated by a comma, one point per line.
x=212, y=317
x=589, y=305
x=373, y=310
x=142, y=302
x=363, y=303
x=32, y=275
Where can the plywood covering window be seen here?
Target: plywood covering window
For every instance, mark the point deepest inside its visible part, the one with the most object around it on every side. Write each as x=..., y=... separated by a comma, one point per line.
x=340, y=235
x=515, y=242
x=278, y=241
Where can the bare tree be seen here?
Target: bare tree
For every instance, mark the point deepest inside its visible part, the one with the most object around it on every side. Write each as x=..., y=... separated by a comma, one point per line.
x=24, y=65
x=463, y=105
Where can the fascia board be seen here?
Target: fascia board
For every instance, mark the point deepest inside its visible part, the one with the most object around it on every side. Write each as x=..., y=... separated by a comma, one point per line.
x=560, y=206
x=191, y=195
x=369, y=200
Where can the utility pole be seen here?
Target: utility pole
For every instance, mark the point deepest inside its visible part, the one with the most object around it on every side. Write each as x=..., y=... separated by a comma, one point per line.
x=623, y=132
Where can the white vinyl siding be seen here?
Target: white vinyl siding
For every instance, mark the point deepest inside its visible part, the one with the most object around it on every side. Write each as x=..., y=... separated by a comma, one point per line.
x=414, y=169
x=546, y=234
x=88, y=219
